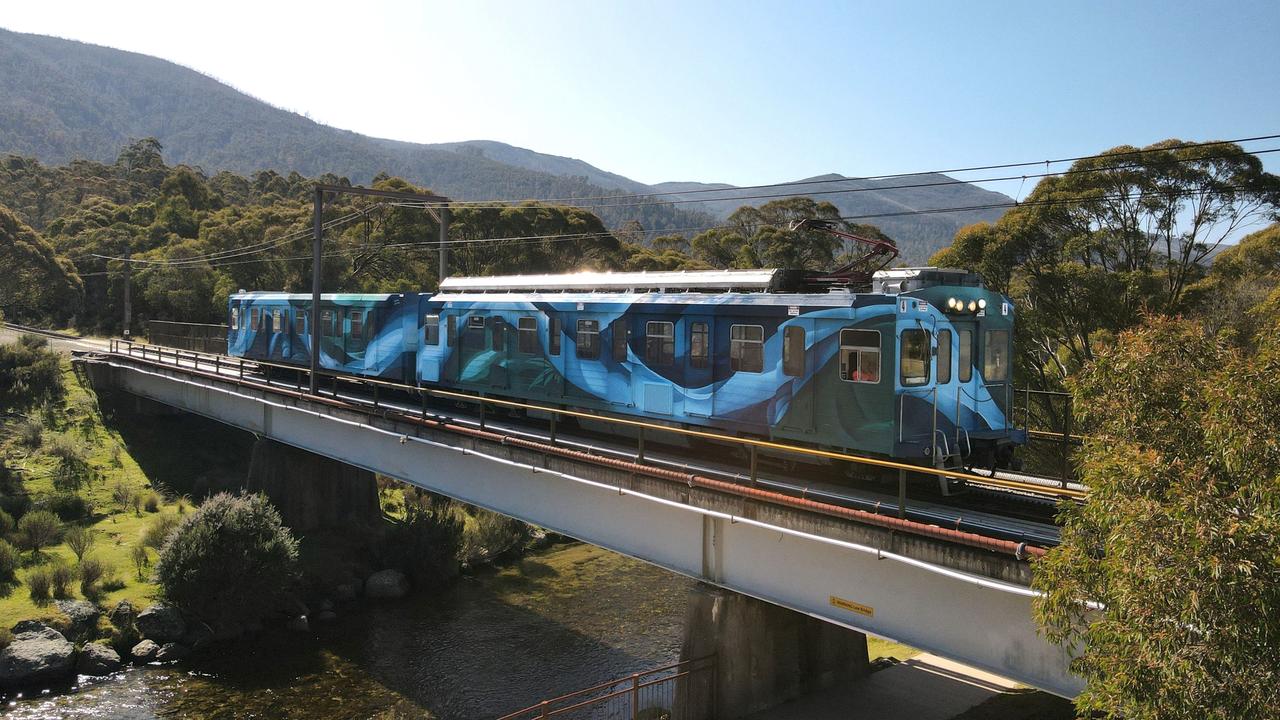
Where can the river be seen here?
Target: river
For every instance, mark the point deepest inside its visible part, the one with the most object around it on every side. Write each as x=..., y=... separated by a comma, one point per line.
x=492, y=642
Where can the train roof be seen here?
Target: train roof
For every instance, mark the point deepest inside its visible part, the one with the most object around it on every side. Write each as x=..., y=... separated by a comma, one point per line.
x=330, y=297
x=659, y=281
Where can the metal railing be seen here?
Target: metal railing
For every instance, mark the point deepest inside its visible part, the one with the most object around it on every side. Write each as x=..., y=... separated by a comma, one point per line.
x=679, y=691
x=188, y=336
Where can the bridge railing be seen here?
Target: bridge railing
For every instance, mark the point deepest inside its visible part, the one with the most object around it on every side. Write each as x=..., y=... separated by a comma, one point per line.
x=201, y=337
x=679, y=691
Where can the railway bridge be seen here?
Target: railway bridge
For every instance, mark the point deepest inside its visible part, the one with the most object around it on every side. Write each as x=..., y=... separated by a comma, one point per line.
x=953, y=591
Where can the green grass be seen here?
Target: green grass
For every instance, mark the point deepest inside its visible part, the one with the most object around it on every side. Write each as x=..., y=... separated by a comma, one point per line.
x=116, y=530
x=879, y=647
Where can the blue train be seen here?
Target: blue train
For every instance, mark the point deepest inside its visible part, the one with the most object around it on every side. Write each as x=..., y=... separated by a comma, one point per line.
x=917, y=369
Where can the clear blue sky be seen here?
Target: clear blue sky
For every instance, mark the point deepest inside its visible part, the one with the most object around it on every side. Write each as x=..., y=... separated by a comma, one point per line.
x=740, y=92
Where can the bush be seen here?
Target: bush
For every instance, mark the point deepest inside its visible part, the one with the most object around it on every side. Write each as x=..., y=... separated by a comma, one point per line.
x=122, y=495
x=38, y=529
x=425, y=544
x=79, y=539
x=38, y=583
x=229, y=560
x=73, y=470
x=153, y=503
x=9, y=560
x=30, y=373
x=7, y=525
x=490, y=534
x=31, y=433
x=91, y=571
x=113, y=584
x=61, y=575
x=161, y=527
x=141, y=560
x=69, y=507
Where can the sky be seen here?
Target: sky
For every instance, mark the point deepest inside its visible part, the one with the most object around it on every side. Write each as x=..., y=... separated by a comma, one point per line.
x=741, y=92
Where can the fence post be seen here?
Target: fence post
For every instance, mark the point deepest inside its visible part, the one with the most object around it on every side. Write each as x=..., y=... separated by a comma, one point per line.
x=1066, y=441
x=754, y=464
x=635, y=695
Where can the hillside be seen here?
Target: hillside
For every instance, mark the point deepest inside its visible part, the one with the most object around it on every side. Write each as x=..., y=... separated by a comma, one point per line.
x=62, y=100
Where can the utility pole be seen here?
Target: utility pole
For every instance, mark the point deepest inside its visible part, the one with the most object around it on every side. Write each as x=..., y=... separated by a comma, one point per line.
x=444, y=240
x=128, y=281
x=317, y=243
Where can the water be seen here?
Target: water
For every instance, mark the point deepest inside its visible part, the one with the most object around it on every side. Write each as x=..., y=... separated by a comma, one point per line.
x=491, y=643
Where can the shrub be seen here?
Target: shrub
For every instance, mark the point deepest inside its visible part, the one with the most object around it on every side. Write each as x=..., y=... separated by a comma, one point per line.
x=141, y=560
x=122, y=495
x=425, y=544
x=7, y=525
x=161, y=527
x=113, y=584
x=9, y=560
x=69, y=507
x=79, y=539
x=38, y=583
x=37, y=530
x=30, y=373
x=31, y=433
x=61, y=575
x=6, y=637
x=91, y=571
x=153, y=503
x=73, y=470
x=490, y=534
x=229, y=560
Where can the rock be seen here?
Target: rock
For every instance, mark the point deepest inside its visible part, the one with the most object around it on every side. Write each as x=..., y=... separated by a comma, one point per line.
x=299, y=624
x=161, y=623
x=145, y=651
x=347, y=591
x=123, y=615
x=386, y=584
x=326, y=616
x=172, y=651
x=198, y=635
x=37, y=653
x=97, y=659
x=83, y=616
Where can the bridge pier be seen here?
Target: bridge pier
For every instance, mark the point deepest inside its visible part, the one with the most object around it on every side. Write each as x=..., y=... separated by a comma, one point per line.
x=765, y=654
x=311, y=491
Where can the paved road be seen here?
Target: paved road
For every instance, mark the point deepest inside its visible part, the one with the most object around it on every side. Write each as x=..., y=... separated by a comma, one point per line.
x=926, y=687
x=8, y=334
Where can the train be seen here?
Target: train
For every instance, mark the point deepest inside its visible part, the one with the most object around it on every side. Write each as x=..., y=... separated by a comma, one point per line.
x=915, y=368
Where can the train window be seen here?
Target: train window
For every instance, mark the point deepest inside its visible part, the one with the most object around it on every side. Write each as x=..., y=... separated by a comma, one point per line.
x=588, y=339
x=619, y=332
x=915, y=357
x=431, y=330
x=659, y=344
x=528, y=337
x=553, y=335
x=498, y=337
x=329, y=323
x=254, y=322
x=995, y=356
x=475, y=322
x=944, y=357
x=699, y=345
x=300, y=322
x=451, y=330
x=357, y=323
x=746, y=348
x=860, y=355
x=793, y=351
x=965, y=341
x=235, y=318
x=277, y=320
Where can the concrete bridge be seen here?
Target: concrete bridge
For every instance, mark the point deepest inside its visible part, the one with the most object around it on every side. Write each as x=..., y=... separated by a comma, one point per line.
x=955, y=594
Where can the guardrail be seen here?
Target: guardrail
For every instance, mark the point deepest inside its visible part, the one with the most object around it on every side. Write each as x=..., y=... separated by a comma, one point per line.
x=679, y=691
x=188, y=336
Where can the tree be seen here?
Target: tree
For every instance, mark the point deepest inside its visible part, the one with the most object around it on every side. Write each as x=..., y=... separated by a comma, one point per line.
x=37, y=530
x=229, y=561
x=1178, y=542
x=37, y=285
x=79, y=539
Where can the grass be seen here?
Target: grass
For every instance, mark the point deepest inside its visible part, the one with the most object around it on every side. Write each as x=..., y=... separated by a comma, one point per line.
x=879, y=647
x=116, y=530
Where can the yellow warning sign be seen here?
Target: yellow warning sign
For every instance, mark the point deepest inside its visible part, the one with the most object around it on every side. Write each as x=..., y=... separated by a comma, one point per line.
x=852, y=606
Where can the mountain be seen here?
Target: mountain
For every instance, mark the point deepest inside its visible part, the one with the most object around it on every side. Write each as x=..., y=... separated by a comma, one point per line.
x=61, y=100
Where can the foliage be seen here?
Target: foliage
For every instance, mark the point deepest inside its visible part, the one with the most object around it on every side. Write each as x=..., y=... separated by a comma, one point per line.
x=1230, y=298
x=152, y=503
x=69, y=507
x=1178, y=542
x=1115, y=236
x=39, y=581
x=122, y=495
x=141, y=560
x=424, y=545
x=61, y=575
x=158, y=532
x=72, y=471
x=762, y=237
x=30, y=432
x=9, y=561
x=231, y=559
x=30, y=373
x=79, y=539
x=489, y=533
x=7, y=524
x=38, y=529
x=91, y=570
x=36, y=284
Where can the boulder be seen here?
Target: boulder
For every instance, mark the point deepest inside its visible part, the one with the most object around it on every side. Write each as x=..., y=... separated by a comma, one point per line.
x=123, y=615
x=347, y=591
x=37, y=653
x=172, y=651
x=97, y=659
x=161, y=623
x=198, y=635
x=82, y=616
x=386, y=584
x=145, y=651
x=299, y=624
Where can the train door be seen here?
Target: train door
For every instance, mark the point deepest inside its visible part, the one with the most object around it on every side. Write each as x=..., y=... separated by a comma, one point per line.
x=499, y=341
x=585, y=373
x=698, y=377
x=968, y=380
x=551, y=383
x=797, y=373
x=473, y=350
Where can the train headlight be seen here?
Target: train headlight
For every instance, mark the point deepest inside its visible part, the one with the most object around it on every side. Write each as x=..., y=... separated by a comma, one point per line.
x=973, y=306
x=982, y=303
x=955, y=304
